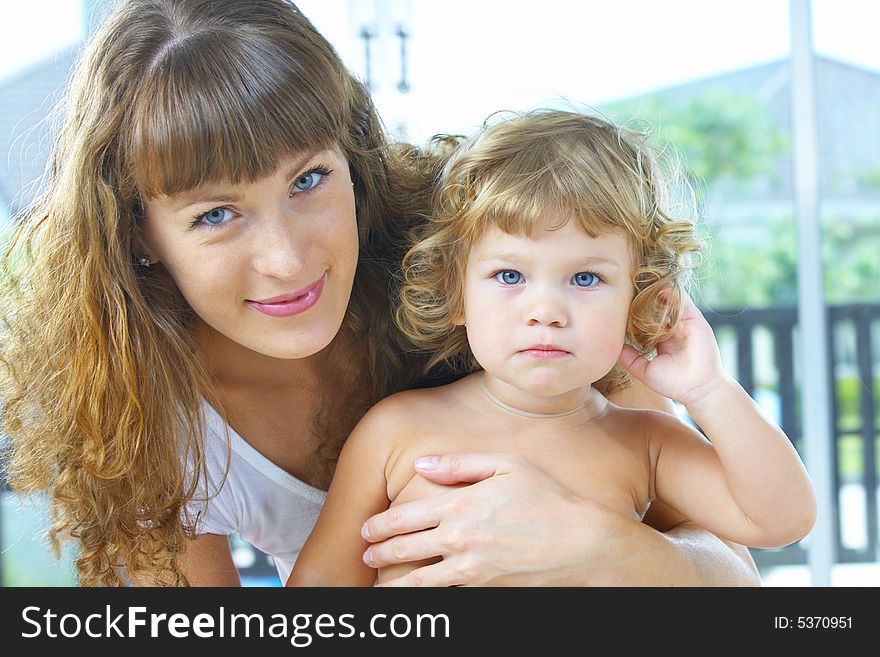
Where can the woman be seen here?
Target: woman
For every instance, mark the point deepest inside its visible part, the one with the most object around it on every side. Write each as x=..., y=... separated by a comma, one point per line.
x=213, y=258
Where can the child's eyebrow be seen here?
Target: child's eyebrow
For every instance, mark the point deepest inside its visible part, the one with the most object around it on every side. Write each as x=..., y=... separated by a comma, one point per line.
x=586, y=261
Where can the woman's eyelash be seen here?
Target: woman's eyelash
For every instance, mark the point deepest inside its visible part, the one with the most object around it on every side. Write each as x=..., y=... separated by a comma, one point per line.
x=323, y=170
x=197, y=220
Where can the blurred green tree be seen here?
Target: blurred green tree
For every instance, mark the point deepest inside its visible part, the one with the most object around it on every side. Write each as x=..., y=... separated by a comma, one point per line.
x=725, y=143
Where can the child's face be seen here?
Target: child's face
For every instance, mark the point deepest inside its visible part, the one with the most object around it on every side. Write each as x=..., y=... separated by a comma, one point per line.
x=270, y=264
x=548, y=314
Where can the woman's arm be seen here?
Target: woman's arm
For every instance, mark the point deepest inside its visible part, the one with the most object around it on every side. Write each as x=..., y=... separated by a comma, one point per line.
x=698, y=557
x=207, y=561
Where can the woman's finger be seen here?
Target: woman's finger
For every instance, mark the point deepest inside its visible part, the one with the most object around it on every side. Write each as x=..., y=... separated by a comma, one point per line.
x=435, y=574
x=403, y=549
x=467, y=467
x=404, y=518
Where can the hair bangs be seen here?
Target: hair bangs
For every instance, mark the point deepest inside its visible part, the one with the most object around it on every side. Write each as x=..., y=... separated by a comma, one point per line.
x=540, y=186
x=230, y=117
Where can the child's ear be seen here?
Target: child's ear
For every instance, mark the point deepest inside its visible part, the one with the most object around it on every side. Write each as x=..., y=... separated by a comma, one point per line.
x=455, y=302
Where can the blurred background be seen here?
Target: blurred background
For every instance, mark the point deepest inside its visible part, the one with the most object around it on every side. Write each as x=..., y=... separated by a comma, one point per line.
x=773, y=106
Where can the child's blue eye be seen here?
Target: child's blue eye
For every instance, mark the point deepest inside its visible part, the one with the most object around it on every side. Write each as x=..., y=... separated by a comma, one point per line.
x=307, y=181
x=215, y=217
x=508, y=277
x=584, y=279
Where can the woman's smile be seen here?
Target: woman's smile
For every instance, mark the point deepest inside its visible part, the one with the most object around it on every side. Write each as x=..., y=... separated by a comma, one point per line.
x=292, y=303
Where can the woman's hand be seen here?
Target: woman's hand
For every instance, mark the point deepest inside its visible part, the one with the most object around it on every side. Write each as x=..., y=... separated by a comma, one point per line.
x=515, y=526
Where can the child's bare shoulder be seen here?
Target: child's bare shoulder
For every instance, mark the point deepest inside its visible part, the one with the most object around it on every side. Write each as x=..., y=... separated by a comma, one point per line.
x=398, y=413
x=643, y=422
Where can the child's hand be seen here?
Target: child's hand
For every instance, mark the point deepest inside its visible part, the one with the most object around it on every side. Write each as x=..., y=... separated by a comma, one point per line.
x=687, y=365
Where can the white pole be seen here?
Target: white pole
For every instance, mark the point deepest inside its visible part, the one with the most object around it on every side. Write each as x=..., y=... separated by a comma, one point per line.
x=815, y=392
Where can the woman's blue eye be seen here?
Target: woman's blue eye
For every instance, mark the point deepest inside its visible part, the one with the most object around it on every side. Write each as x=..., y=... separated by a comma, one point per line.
x=508, y=277
x=584, y=279
x=215, y=217
x=307, y=181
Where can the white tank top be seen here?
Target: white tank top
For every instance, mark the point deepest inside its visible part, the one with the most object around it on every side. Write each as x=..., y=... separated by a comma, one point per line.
x=269, y=507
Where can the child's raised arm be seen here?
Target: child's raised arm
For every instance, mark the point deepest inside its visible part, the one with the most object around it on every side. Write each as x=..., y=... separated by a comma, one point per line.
x=749, y=485
x=332, y=555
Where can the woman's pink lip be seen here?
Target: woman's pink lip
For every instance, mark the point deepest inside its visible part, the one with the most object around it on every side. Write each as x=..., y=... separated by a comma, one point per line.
x=285, y=305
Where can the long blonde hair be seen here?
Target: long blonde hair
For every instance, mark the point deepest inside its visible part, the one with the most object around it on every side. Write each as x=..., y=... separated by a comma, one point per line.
x=101, y=383
x=513, y=172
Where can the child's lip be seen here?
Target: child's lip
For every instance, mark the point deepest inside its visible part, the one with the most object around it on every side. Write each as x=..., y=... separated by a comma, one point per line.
x=545, y=347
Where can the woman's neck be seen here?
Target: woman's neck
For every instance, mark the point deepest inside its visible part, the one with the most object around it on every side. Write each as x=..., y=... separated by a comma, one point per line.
x=295, y=412
x=233, y=366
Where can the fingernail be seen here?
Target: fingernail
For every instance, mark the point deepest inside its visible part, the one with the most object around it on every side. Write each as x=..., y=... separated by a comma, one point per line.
x=428, y=462
x=365, y=532
x=368, y=557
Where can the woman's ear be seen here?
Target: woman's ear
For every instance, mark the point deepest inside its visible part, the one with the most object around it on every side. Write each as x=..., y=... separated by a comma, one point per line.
x=142, y=254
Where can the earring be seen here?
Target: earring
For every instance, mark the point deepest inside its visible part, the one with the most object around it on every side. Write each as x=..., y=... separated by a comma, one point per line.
x=144, y=262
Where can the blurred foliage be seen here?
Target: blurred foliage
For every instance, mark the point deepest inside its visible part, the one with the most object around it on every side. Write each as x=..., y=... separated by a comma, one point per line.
x=764, y=273
x=720, y=135
x=870, y=179
x=727, y=143
x=754, y=275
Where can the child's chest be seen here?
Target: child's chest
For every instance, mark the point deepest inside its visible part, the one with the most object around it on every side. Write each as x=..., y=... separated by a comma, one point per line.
x=609, y=469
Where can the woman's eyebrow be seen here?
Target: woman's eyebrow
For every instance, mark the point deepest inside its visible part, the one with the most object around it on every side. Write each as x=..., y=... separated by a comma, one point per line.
x=195, y=199
x=297, y=166
x=205, y=194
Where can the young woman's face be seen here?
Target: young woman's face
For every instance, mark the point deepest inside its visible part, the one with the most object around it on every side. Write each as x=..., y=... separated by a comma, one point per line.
x=269, y=264
x=546, y=315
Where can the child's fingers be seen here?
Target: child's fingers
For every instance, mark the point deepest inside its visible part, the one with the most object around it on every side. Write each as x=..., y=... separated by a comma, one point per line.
x=634, y=362
x=688, y=307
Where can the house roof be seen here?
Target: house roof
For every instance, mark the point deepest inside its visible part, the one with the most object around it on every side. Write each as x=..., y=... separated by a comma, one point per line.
x=848, y=116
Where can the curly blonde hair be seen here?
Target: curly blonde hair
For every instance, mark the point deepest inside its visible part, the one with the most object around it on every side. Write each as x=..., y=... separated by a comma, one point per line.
x=510, y=175
x=102, y=385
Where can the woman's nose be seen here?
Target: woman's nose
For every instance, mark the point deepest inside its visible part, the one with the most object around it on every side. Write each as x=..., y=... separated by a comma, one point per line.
x=278, y=249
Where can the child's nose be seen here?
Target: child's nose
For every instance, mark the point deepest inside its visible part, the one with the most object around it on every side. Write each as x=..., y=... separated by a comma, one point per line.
x=546, y=308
